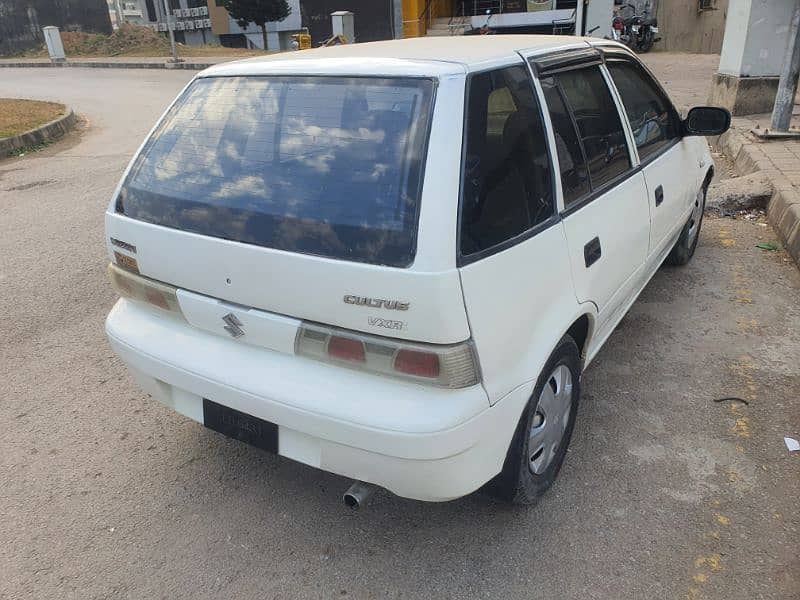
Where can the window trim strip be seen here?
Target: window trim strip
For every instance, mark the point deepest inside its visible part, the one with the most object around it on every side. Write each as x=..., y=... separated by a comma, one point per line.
x=565, y=60
x=464, y=260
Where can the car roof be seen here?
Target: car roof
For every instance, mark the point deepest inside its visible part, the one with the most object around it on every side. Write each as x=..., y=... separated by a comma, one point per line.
x=431, y=56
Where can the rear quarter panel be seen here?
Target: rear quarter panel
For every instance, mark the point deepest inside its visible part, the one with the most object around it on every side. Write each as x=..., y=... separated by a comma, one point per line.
x=520, y=302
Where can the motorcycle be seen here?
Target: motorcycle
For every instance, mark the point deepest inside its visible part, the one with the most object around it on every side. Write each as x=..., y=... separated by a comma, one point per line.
x=485, y=29
x=638, y=32
x=644, y=30
x=619, y=30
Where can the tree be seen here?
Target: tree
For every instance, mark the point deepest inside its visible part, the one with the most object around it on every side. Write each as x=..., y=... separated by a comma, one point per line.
x=259, y=12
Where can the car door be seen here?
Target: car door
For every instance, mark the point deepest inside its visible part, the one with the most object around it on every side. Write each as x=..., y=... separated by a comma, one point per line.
x=605, y=214
x=666, y=159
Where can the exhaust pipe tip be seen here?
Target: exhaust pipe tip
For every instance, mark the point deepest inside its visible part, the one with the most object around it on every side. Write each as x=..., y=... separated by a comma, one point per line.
x=358, y=495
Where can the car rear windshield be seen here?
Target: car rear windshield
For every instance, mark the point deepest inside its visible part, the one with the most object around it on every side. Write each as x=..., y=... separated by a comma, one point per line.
x=330, y=166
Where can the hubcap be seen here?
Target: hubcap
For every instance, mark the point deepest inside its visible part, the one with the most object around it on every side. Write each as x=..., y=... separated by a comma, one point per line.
x=549, y=422
x=697, y=216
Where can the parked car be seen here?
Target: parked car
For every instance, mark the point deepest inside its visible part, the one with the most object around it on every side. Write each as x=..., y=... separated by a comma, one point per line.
x=392, y=261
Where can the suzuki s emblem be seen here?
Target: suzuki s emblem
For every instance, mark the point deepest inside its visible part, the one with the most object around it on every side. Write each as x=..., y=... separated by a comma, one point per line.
x=233, y=325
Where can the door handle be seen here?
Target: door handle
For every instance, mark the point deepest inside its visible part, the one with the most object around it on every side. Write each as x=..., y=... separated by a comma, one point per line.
x=592, y=252
x=659, y=195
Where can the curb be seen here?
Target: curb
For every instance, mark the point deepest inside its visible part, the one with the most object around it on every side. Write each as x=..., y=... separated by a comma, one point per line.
x=193, y=66
x=47, y=132
x=783, y=211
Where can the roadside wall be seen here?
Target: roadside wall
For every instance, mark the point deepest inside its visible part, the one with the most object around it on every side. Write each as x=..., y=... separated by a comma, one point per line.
x=685, y=28
x=21, y=21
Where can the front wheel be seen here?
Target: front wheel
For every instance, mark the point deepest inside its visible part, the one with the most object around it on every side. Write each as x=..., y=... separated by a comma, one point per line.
x=645, y=44
x=544, y=430
x=684, y=248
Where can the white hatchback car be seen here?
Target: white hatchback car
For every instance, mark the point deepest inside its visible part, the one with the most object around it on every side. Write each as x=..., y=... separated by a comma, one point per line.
x=392, y=261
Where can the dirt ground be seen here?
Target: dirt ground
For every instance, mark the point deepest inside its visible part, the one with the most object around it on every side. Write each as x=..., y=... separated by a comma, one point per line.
x=665, y=493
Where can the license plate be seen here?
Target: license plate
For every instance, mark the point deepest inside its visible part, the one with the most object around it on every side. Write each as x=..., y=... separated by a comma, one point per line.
x=654, y=29
x=240, y=426
x=635, y=28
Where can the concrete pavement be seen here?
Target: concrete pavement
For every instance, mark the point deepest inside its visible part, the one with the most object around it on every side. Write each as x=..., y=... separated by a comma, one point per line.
x=779, y=161
x=103, y=493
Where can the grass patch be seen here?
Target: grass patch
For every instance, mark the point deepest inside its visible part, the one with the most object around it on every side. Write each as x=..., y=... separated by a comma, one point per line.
x=131, y=41
x=19, y=116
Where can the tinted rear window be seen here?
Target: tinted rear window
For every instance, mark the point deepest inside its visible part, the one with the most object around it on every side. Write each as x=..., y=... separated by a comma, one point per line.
x=328, y=166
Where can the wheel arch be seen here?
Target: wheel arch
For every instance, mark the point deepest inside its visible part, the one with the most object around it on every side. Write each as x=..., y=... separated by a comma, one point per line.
x=581, y=331
x=708, y=178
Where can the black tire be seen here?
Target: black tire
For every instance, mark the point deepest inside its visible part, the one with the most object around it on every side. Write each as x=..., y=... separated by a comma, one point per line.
x=516, y=483
x=646, y=44
x=683, y=250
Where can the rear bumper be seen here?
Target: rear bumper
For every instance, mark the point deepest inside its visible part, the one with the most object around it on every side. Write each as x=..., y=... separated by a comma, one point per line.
x=418, y=442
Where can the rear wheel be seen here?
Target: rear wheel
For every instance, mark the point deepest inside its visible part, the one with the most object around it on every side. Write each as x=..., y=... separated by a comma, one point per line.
x=544, y=430
x=684, y=248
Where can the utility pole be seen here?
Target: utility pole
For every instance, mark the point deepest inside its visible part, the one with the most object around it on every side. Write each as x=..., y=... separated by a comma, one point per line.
x=120, y=16
x=787, y=87
x=167, y=15
x=397, y=19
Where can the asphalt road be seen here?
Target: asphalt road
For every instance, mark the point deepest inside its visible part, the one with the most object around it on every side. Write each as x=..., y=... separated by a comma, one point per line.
x=105, y=494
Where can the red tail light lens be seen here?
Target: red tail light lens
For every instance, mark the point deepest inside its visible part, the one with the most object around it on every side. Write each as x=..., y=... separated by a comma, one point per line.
x=413, y=362
x=346, y=349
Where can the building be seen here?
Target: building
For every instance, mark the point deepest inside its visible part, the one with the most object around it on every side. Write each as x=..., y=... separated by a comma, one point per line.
x=125, y=11
x=279, y=33
x=453, y=17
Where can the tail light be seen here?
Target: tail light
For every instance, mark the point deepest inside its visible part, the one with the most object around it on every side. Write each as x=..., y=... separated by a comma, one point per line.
x=449, y=366
x=414, y=362
x=143, y=289
x=344, y=348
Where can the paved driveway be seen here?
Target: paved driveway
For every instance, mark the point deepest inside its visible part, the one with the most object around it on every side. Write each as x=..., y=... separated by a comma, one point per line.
x=104, y=493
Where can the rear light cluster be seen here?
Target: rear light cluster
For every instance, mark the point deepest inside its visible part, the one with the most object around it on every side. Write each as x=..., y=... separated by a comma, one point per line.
x=449, y=366
x=136, y=287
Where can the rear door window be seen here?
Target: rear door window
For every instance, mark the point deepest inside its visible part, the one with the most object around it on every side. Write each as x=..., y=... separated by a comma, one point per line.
x=330, y=166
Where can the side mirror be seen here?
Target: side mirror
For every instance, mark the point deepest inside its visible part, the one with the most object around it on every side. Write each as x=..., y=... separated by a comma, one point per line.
x=706, y=120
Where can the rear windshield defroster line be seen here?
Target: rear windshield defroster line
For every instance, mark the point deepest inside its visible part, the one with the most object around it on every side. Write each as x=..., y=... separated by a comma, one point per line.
x=329, y=166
